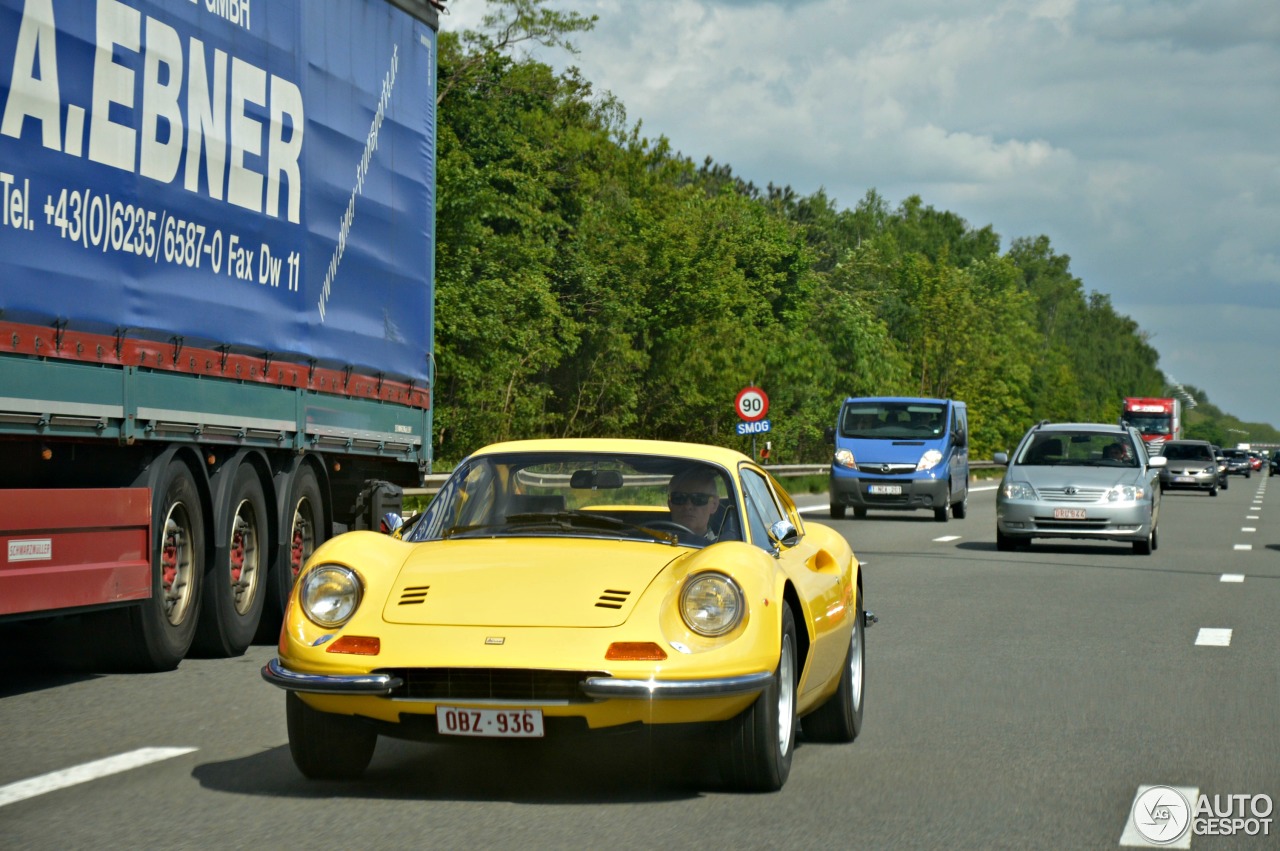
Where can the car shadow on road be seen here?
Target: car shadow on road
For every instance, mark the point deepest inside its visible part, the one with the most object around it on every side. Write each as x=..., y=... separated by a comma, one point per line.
x=602, y=771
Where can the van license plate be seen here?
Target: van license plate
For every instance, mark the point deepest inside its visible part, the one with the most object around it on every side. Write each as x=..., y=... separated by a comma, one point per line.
x=884, y=489
x=1068, y=514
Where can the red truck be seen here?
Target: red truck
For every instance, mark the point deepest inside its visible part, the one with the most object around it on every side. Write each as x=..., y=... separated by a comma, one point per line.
x=1157, y=419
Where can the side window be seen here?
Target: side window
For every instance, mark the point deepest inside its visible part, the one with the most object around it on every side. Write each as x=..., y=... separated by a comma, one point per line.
x=762, y=510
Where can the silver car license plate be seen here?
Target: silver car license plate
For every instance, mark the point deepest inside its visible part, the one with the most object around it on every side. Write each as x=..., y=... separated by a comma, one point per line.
x=1068, y=514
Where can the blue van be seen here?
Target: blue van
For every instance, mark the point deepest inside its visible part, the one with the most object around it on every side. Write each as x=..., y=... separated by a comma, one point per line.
x=900, y=453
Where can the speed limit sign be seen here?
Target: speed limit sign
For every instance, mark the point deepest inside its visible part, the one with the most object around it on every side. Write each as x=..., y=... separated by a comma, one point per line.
x=752, y=404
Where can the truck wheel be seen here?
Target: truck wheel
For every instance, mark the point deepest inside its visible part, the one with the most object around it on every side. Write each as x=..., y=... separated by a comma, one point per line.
x=304, y=530
x=236, y=586
x=163, y=627
x=325, y=746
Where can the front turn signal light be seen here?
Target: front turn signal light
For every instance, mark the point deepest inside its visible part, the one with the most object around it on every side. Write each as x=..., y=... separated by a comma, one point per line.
x=635, y=651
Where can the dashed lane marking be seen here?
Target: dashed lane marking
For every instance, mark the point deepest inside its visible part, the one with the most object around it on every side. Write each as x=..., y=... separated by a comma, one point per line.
x=56, y=780
x=1210, y=637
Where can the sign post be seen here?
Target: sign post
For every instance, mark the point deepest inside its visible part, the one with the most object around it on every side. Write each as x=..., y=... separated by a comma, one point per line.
x=751, y=406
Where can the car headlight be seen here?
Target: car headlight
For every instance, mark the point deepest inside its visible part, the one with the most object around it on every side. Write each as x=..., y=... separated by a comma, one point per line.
x=1125, y=493
x=1019, y=490
x=711, y=604
x=844, y=458
x=929, y=460
x=330, y=594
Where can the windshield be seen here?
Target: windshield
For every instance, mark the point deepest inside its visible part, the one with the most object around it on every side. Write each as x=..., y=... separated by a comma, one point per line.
x=1151, y=423
x=1079, y=448
x=1188, y=452
x=893, y=420
x=665, y=500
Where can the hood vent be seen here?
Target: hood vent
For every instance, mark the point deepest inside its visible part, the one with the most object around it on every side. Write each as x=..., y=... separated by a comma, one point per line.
x=414, y=595
x=612, y=599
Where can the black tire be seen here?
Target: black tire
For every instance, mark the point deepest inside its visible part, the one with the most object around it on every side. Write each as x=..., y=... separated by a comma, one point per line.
x=325, y=746
x=302, y=530
x=942, y=514
x=1147, y=544
x=859, y=514
x=837, y=511
x=960, y=510
x=236, y=585
x=1004, y=543
x=840, y=718
x=757, y=746
x=1213, y=491
x=163, y=627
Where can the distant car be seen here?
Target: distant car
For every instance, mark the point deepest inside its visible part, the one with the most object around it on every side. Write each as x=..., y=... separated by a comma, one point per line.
x=1238, y=462
x=1224, y=478
x=1275, y=462
x=1079, y=480
x=556, y=588
x=1190, y=464
x=1256, y=460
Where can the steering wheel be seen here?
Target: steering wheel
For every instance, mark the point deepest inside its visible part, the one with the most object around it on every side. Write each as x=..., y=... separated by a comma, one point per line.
x=681, y=531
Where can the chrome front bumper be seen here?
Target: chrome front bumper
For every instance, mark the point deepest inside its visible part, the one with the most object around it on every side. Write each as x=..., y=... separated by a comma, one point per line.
x=599, y=688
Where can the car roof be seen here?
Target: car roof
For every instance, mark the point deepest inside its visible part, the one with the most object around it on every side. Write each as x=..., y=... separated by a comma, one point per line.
x=1102, y=427
x=621, y=446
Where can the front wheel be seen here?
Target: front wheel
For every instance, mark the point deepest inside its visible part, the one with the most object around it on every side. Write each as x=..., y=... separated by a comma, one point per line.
x=837, y=511
x=1147, y=544
x=325, y=746
x=960, y=510
x=757, y=746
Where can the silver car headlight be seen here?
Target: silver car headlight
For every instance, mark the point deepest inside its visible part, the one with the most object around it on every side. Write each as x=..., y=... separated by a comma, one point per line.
x=711, y=604
x=1125, y=493
x=844, y=458
x=929, y=460
x=1019, y=490
x=330, y=595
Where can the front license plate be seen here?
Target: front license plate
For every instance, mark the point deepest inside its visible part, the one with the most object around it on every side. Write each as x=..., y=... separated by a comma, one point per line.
x=1068, y=514
x=1184, y=480
x=489, y=723
x=884, y=489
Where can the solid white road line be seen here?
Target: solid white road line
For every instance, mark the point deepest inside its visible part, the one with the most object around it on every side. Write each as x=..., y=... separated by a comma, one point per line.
x=56, y=780
x=1209, y=637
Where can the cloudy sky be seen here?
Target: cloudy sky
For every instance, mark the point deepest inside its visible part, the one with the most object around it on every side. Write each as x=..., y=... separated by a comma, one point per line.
x=1141, y=136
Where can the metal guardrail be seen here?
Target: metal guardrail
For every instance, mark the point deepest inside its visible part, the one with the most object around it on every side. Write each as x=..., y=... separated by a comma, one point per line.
x=431, y=484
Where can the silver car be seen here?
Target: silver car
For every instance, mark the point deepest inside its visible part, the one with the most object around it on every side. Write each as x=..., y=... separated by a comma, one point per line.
x=1079, y=480
x=1190, y=464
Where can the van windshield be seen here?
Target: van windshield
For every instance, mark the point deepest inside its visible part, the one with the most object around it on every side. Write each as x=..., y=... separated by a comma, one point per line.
x=893, y=420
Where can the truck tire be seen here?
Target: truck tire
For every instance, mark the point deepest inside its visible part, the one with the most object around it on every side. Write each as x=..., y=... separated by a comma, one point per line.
x=236, y=585
x=303, y=530
x=162, y=628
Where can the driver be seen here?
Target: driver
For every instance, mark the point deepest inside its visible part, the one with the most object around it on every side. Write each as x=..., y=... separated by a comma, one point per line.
x=1114, y=452
x=691, y=497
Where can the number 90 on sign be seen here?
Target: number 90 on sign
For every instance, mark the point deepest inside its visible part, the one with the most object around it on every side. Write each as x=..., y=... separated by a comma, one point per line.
x=752, y=404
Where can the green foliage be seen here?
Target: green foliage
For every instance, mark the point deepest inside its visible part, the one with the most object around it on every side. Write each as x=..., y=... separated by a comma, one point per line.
x=592, y=282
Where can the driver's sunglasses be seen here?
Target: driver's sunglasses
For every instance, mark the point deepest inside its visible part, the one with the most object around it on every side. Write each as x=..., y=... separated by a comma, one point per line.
x=681, y=497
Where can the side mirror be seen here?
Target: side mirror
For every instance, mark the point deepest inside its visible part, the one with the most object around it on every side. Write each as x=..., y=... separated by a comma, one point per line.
x=830, y=434
x=783, y=534
x=1157, y=461
x=1001, y=458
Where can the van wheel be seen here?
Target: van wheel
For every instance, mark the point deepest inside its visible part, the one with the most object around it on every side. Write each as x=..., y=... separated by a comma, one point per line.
x=837, y=511
x=960, y=510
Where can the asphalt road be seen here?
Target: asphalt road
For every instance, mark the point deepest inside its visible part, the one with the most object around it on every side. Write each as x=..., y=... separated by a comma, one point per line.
x=1014, y=700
